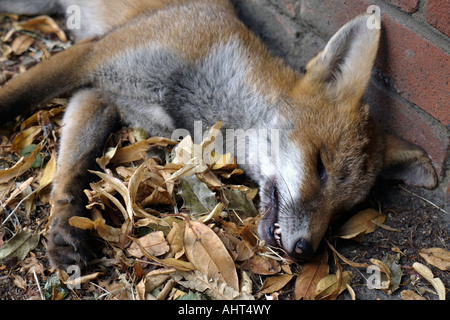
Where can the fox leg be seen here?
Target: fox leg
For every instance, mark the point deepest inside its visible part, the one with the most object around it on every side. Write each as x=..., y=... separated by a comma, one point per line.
x=88, y=123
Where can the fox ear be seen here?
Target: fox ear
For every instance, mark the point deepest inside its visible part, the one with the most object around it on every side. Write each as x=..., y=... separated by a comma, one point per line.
x=345, y=65
x=408, y=163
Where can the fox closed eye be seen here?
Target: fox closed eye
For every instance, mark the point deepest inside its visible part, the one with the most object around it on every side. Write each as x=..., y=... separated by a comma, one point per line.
x=321, y=170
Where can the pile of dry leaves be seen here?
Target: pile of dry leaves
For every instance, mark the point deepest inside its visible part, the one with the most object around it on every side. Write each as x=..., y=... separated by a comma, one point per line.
x=178, y=221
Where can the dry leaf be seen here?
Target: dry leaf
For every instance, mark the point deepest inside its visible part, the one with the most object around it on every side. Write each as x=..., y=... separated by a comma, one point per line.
x=329, y=284
x=410, y=295
x=199, y=282
x=352, y=292
x=108, y=233
x=208, y=254
x=49, y=173
x=154, y=243
x=6, y=53
x=437, y=257
x=360, y=224
x=21, y=44
x=347, y=261
x=122, y=189
x=151, y=281
x=44, y=24
x=425, y=272
x=262, y=265
x=167, y=262
x=134, y=152
x=276, y=283
x=19, y=282
x=175, y=239
x=246, y=283
x=312, y=272
x=19, y=246
x=107, y=156
x=25, y=138
x=83, y=279
x=20, y=187
x=21, y=166
x=34, y=119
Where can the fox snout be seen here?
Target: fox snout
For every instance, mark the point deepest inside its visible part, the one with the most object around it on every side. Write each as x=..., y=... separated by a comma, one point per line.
x=291, y=226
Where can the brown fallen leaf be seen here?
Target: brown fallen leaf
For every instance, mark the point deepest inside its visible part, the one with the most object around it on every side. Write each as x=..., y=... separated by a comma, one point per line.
x=34, y=119
x=167, y=262
x=360, y=224
x=19, y=246
x=19, y=282
x=208, y=254
x=154, y=243
x=175, y=239
x=119, y=186
x=17, y=191
x=312, y=272
x=437, y=257
x=49, y=173
x=80, y=280
x=44, y=24
x=21, y=44
x=425, y=272
x=215, y=289
x=134, y=152
x=151, y=281
x=105, y=231
x=347, y=261
x=21, y=166
x=262, y=265
x=410, y=295
x=329, y=284
x=275, y=283
x=351, y=291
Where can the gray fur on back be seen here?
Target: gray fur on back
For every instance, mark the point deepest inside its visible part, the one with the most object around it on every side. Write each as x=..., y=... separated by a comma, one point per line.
x=153, y=84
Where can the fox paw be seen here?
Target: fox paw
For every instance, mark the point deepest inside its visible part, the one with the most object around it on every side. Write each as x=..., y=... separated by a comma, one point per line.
x=68, y=246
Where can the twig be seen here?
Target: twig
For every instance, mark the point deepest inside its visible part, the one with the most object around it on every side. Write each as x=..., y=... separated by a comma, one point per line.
x=16, y=208
x=38, y=285
x=107, y=293
x=422, y=198
x=347, y=261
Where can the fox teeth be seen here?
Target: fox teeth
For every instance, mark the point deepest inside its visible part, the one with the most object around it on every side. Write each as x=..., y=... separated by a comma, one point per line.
x=277, y=233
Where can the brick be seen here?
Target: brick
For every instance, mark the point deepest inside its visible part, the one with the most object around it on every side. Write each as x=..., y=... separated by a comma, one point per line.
x=397, y=116
x=410, y=6
x=277, y=28
x=418, y=69
x=290, y=7
x=437, y=15
x=328, y=16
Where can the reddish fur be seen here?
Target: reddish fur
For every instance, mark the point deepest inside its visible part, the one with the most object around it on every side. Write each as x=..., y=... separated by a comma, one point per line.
x=325, y=105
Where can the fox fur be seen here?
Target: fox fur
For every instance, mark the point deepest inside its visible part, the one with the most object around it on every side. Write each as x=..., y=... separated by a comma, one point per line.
x=163, y=64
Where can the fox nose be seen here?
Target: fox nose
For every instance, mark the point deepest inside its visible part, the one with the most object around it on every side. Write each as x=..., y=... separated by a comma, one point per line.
x=303, y=250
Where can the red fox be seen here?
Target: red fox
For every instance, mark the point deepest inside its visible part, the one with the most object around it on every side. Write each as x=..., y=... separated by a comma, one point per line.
x=163, y=64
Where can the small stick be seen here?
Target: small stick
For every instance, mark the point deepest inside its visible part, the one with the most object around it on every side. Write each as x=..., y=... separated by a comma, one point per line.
x=422, y=198
x=39, y=287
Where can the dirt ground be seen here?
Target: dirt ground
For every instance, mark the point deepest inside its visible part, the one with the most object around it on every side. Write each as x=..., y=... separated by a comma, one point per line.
x=421, y=225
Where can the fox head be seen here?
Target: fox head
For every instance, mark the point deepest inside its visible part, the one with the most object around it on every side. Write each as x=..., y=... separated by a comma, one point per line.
x=332, y=150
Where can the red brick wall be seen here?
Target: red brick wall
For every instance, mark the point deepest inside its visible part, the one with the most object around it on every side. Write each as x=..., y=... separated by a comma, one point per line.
x=410, y=91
